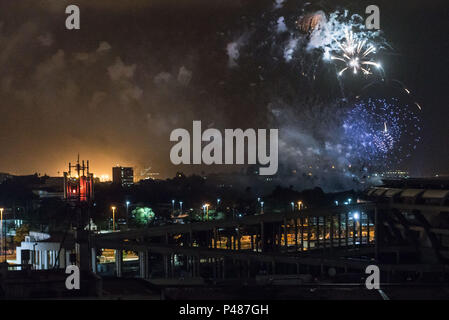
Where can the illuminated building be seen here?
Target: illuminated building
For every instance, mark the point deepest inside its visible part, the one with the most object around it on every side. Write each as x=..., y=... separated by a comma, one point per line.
x=399, y=174
x=78, y=182
x=123, y=176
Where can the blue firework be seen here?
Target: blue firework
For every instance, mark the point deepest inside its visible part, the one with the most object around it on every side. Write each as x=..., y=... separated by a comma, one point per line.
x=380, y=132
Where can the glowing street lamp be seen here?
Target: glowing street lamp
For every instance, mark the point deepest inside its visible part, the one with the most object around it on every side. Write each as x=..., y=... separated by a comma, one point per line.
x=218, y=201
x=356, y=217
x=113, y=217
x=293, y=206
x=127, y=211
x=261, y=207
x=300, y=205
x=180, y=206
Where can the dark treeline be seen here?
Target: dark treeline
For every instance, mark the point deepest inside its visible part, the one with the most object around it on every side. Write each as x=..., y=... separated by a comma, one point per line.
x=21, y=196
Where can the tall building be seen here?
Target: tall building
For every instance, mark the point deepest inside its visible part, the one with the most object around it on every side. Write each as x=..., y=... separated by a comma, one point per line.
x=123, y=176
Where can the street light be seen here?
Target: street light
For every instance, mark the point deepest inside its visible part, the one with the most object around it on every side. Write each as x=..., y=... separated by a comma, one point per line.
x=180, y=206
x=300, y=205
x=173, y=207
x=293, y=206
x=113, y=217
x=261, y=207
x=218, y=201
x=127, y=212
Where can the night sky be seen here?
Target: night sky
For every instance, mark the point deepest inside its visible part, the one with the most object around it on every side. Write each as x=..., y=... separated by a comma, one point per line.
x=114, y=90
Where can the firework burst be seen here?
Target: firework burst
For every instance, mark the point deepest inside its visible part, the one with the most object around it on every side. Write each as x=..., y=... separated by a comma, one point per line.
x=381, y=131
x=356, y=55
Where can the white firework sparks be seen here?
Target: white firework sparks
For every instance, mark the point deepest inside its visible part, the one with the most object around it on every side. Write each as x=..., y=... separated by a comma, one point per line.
x=356, y=55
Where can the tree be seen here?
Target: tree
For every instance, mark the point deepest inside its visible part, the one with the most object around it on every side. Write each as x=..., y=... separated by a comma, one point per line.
x=21, y=232
x=143, y=215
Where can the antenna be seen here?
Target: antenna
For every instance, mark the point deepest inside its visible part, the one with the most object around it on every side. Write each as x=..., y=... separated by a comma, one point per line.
x=84, y=167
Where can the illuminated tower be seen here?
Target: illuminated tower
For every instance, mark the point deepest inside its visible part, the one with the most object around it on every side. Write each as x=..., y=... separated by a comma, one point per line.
x=78, y=182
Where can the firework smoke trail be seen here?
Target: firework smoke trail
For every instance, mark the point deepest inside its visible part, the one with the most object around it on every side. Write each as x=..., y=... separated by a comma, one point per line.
x=397, y=85
x=314, y=34
x=330, y=33
x=310, y=144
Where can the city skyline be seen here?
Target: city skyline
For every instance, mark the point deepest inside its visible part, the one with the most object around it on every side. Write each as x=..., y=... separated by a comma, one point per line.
x=256, y=150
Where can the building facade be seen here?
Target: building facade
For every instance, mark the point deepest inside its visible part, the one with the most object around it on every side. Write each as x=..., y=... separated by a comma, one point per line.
x=123, y=176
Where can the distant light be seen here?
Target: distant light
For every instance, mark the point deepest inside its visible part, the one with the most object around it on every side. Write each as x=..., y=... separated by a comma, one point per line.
x=336, y=202
x=349, y=200
x=104, y=178
x=127, y=203
x=356, y=216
